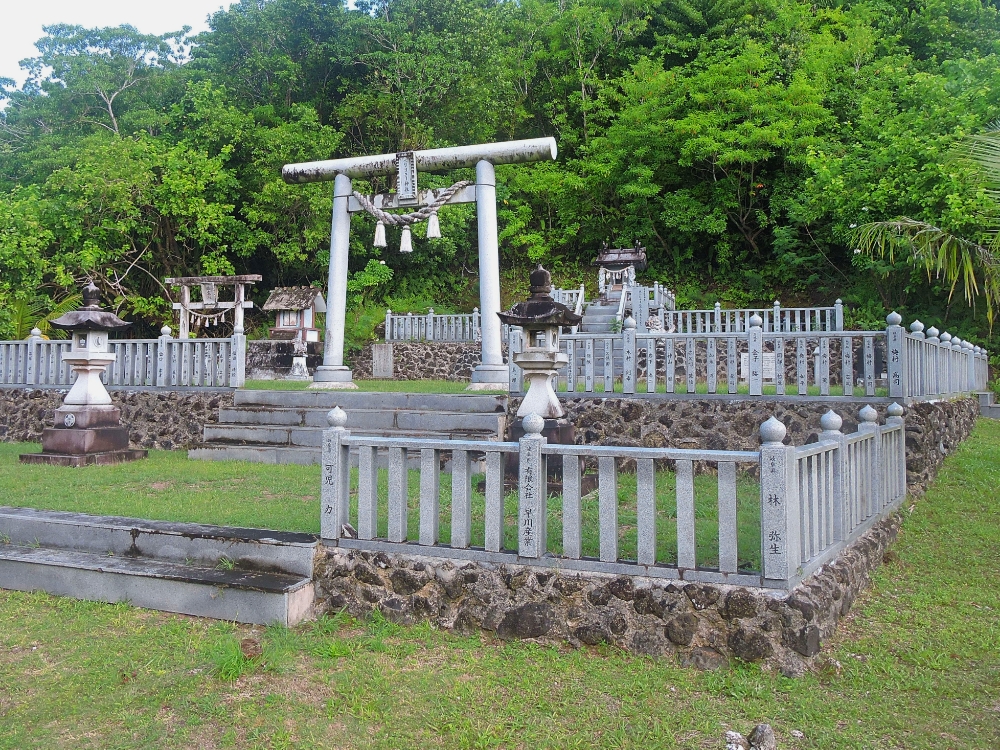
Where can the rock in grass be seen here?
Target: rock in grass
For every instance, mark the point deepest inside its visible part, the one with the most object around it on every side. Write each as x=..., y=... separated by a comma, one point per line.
x=762, y=738
x=736, y=741
x=251, y=648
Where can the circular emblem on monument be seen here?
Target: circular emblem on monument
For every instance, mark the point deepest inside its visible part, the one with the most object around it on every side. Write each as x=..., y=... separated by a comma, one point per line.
x=69, y=420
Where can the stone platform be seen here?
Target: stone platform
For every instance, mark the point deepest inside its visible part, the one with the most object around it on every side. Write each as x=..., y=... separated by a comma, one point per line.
x=243, y=575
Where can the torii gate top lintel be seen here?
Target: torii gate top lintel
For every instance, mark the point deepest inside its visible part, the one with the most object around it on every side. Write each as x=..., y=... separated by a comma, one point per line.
x=491, y=372
x=431, y=160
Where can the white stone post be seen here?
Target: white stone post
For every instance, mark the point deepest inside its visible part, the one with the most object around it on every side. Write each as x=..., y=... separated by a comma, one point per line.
x=388, y=326
x=332, y=373
x=776, y=318
x=838, y=315
x=162, y=358
x=335, y=497
x=490, y=373
x=779, y=504
x=429, y=333
x=31, y=363
x=895, y=354
x=970, y=360
x=717, y=318
x=944, y=357
x=831, y=423
x=532, y=490
x=898, y=462
x=755, y=357
x=868, y=422
x=933, y=361
x=628, y=356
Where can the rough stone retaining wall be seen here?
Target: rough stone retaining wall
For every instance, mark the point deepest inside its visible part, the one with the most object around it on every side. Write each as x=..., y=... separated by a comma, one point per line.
x=700, y=625
x=155, y=419
x=933, y=430
x=417, y=360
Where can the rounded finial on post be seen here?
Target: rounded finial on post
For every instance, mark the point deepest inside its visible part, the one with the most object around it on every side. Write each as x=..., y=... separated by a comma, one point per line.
x=36, y=333
x=756, y=321
x=629, y=322
x=772, y=431
x=966, y=344
x=894, y=410
x=337, y=417
x=533, y=424
x=165, y=331
x=916, y=327
x=956, y=342
x=831, y=421
x=868, y=414
x=932, y=332
x=838, y=302
x=894, y=318
x=945, y=337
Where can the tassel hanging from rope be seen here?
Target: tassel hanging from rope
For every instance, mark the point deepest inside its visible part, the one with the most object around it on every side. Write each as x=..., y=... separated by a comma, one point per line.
x=405, y=245
x=433, y=228
x=379, y=235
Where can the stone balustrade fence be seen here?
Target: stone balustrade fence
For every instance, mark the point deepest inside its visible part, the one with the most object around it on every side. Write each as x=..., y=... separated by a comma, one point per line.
x=461, y=327
x=912, y=364
x=813, y=501
x=163, y=362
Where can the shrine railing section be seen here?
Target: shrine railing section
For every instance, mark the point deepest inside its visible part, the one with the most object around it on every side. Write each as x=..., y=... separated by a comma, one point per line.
x=695, y=515
x=163, y=362
x=776, y=319
x=459, y=327
x=911, y=365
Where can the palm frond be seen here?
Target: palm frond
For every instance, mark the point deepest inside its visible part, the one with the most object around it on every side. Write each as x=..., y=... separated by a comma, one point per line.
x=943, y=255
x=24, y=313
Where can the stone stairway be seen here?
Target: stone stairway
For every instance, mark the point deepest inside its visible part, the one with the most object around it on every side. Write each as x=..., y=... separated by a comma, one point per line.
x=286, y=427
x=987, y=405
x=599, y=316
x=243, y=575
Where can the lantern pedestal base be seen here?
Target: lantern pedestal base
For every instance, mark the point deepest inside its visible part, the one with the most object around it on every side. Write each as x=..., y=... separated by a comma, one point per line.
x=84, y=435
x=84, y=459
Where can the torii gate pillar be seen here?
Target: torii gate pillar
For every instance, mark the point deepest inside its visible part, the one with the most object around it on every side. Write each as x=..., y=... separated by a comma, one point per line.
x=491, y=373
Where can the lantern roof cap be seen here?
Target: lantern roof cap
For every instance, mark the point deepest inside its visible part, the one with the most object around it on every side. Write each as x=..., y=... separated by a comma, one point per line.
x=540, y=308
x=90, y=317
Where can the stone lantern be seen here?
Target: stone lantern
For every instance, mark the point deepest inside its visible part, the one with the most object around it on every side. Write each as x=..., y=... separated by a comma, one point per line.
x=87, y=426
x=541, y=318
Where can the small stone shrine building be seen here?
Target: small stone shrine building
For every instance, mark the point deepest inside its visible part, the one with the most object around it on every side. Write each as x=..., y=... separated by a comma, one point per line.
x=296, y=308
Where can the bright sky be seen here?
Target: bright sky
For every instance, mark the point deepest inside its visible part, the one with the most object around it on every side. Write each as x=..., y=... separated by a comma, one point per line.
x=22, y=21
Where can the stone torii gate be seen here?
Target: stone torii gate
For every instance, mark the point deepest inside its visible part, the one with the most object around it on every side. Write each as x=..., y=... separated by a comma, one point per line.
x=491, y=372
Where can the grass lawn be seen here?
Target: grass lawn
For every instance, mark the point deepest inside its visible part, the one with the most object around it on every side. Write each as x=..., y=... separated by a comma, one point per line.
x=916, y=665
x=167, y=486
x=450, y=386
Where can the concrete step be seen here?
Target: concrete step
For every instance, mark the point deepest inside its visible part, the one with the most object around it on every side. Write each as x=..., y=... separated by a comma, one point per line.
x=348, y=400
x=261, y=598
x=310, y=437
x=259, y=550
x=365, y=419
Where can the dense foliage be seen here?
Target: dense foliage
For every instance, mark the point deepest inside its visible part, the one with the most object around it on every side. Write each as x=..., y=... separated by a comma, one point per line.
x=742, y=141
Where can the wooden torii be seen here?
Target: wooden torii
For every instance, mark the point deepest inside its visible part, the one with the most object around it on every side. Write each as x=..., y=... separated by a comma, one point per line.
x=491, y=373
x=210, y=308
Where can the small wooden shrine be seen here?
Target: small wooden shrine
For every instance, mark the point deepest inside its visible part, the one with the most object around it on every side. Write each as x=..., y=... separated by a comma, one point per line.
x=618, y=266
x=296, y=308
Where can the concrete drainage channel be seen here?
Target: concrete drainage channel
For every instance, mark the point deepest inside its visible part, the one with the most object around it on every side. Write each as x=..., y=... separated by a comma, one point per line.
x=242, y=575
